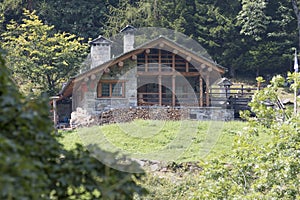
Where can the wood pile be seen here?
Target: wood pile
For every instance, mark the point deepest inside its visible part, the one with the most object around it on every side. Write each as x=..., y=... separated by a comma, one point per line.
x=129, y=114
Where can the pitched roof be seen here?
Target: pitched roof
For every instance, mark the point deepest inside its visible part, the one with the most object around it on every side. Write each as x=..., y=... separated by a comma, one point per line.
x=152, y=44
x=155, y=43
x=127, y=29
x=100, y=40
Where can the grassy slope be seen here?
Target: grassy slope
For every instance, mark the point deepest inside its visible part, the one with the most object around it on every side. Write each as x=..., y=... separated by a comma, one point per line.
x=207, y=142
x=161, y=140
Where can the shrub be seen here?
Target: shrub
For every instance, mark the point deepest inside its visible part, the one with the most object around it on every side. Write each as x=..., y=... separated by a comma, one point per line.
x=33, y=165
x=252, y=170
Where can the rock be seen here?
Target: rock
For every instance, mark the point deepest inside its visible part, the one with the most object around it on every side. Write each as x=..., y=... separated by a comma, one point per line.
x=154, y=167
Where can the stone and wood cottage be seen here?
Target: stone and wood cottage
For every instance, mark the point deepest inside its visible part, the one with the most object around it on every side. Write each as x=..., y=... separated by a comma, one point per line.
x=159, y=72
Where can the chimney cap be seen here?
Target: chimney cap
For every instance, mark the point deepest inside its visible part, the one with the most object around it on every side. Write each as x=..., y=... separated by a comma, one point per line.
x=100, y=40
x=128, y=29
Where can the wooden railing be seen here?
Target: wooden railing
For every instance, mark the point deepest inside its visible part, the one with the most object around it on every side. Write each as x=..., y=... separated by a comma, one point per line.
x=181, y=99
x=236, y=97
x=233, y=91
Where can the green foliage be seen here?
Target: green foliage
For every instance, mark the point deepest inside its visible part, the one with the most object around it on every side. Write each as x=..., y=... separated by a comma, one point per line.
x=35, y=166
x=252, y=18
x=40, y=59
x=248, y=37
x=84, y=18
x=260, y=79
x=253, y=170
x=264, y=102
x=295, y=79
x=144, y=13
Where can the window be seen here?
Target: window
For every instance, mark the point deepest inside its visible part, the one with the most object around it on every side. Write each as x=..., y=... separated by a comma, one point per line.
x=111, y=89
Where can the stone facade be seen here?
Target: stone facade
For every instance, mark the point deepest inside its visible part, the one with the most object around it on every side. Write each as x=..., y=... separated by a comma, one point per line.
x=128, y=42
x=99, y=54
x=100, y=51
x=93, y=105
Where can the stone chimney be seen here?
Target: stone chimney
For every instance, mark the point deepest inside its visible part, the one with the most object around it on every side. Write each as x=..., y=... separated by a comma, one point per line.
x=100, y=51
x=128, y=42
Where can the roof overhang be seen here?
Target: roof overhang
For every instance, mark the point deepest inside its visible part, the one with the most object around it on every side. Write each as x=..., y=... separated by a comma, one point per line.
x=159, y=43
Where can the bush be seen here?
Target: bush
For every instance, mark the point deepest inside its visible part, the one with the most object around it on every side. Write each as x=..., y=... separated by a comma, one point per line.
x=255, y=171
x=33, y=165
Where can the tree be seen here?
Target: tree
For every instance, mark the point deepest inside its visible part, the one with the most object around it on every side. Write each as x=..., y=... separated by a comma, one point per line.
x=80, y=17
x=267, y=28
x=217, y=32
x=297, y=13
x=40, y=59
x=248, y=37
x=252, y=18
x=136, y=13
x=34, y=165
x=255, y=170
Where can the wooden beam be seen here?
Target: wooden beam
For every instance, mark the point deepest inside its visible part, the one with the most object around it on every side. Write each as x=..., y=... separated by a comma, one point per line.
x=173, y=62
x=207, y=90
x=133, y=57
x=121, y=64
x=201, y=91
x=159, y=91
x=168, y=73
x=108, y=64
x=173, y=90
x=186, y=66
x=186, y=52
x=159, y=60
x=146, y=62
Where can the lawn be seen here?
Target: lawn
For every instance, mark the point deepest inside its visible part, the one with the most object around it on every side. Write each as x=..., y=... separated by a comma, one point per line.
x=179, y=141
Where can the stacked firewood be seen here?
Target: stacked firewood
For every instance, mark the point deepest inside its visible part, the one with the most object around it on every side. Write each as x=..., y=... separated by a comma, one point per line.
x=129, y=114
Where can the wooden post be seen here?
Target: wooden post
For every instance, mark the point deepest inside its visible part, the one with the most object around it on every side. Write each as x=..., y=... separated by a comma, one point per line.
x=207, y=90
x=173, y=90
x=173, y=62
x=159, y=60
x=54, y=99
x=159, y=91
x=242, y=89
x=146, y=62
x=186, y=66
x=201, y=91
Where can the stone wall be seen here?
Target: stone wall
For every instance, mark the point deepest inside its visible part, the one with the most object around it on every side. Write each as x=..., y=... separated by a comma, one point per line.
x=163, y=113
x=212, y=113
x=126, y=73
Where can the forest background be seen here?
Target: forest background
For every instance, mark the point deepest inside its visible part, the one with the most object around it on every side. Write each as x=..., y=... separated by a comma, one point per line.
x=250, y=38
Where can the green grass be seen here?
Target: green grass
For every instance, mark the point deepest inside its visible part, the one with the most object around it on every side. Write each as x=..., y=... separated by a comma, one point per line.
x=179, y=141
x=186, y=140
